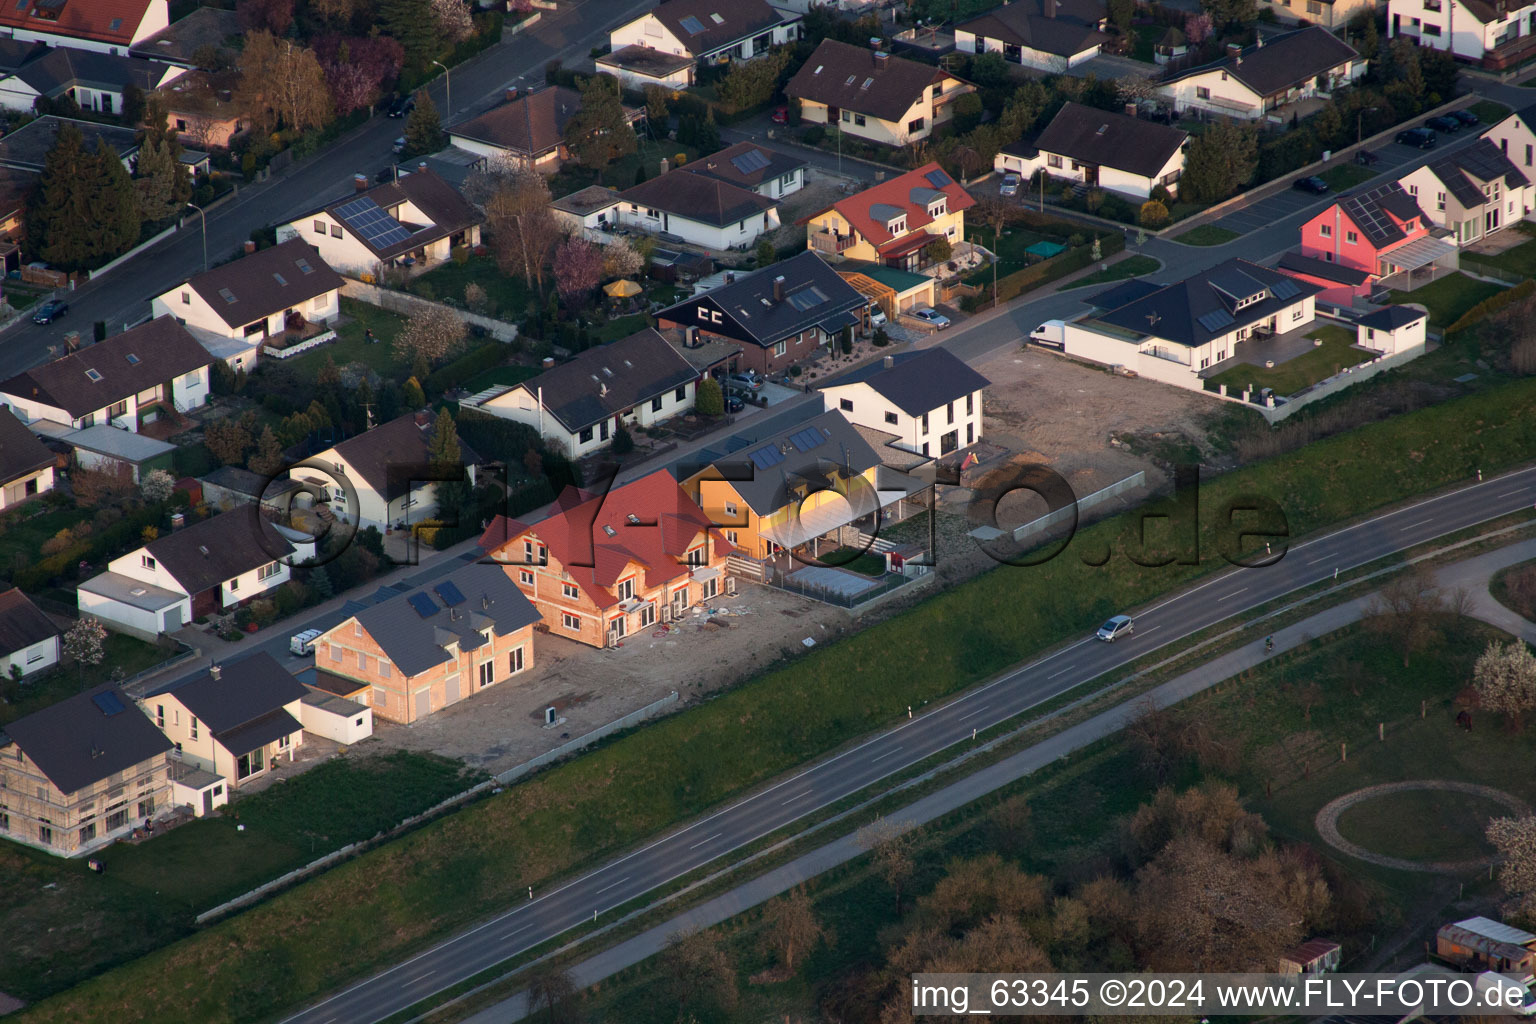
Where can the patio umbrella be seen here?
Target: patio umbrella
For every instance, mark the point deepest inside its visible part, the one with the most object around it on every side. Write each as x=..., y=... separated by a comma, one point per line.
x=622, y=289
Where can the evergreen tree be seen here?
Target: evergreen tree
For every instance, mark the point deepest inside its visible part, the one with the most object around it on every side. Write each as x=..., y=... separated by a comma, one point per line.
x=598, y=134
x=411, y=23
x=114, y=205
x=424, y=128
x=156, y=180
x=58, y=211
x=320, y=583
x=411, y=394
x=444, y=444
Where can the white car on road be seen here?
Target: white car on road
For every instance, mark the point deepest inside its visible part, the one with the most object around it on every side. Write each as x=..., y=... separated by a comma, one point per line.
x=1118, y=626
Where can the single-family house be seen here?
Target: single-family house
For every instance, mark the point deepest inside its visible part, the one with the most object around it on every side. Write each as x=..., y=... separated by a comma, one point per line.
x=26, y=149
x=699, y=209
x=634, y=382
x=26, y=464
x=1391, y=330
x=205, y=30
x=614, y=564
x=1473, y=191
x=416, y=219
x=212, y=566
x=1182, y=332
x=121, y=381
x=233, y=308
x=1251, y=82
x=108, y=26
x=1048, y=35
x=929, y=398
x=637, y=66
x=1479, y=943
x=1102, y=149
x=415, y=654
x=1315, y=956
x=112, y=449
x=779, y=315
x=94, y=80
x=894, y=221
x=1515, y=136
x=29, y=641
x=747, y=165
x=236, y=720
x=1382, y=231
x=794, y=487
x=383, y=477
x=80, y=774
x=710, y=31
x=591, y=212
x=526, y=130
x=1497, y=34
x=202, y=109
x=874, y=95
x=1332, y=15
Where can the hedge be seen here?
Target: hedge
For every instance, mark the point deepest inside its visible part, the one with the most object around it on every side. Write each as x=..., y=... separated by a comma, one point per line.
x=1017, y=283
x=1492, y=304
x=451, y=375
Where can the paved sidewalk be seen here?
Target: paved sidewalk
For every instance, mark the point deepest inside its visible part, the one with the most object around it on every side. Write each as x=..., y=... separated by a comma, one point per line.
x=1471, y=573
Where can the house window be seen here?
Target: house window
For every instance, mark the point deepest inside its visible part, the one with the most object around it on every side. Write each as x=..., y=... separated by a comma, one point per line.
x=1053, y=160
x=890, y=418
x=847, y=116
x=858, y=119
x=384, y=669
x=730, y=509
x=970, y=433
x=319, y=227
x=1440, y=200
x=487, y=673
x=284, y=742
x=569, y=591
x=1325, y=230
x=915, y=125
x=234, y=584
x=585, y=435
x=696, y=556
x=1314, y=7
x=1351, y=238
x=380, y=698
x=194, y=727
x=1201, y=92
x=267, y=571
x=845, y=404
x=681, y=394
x=525, y=577
x=147, y=561
x=362, y=662
x=950, y=409
x=656, y=404
x=1527, y=154
x=45, y=835
x=160, y=715
x=616, y=628
x=514, y=661
x=335, y=653
x=970, y=404
x=1431, y=30
x=627, y=589
x=570, y=622
x=925, y=447
x=647, y=614
x=186, y=298
x=779, y=349
x=1296, y=313
x=335, y=230
x=925, y=423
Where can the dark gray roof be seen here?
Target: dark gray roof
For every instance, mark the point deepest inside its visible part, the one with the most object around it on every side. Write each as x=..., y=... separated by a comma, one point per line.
x=414, y=643
x=110, y=371
x=76, y=742
x=386, y=456
x=1200, y=308
x=1494, y=10
x=1325, y=269
x=238, y=479
x=1390, y=318
x=703, y=26
x=611, y=379
x=534, y=122
x=812, y=290
x=746, y=165
x=205, y=26
x=1093, y=136
x=268, y=281
x=1282, y=62
x=698, y=197
x=1482, y=161
x=442, y=204
x=218, y=548
x=853, y=78
x=256, y=734
x=1118, y=295
x=762, y=468
x=14, y=53
x=22, y=623
x=26, y=148
x=63, y=68
x=1070, y=27
x=1369, y=211
x=20, y=450
x=245, y=691
x=643, y=60
x=918, y=382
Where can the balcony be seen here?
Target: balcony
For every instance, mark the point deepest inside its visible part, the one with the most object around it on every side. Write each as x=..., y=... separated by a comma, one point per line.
x=830, y=243
x=1509, y=53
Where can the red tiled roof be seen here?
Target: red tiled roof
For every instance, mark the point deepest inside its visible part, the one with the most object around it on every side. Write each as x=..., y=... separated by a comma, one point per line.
x=898, y=193
x=598, y=531
x=86, y=19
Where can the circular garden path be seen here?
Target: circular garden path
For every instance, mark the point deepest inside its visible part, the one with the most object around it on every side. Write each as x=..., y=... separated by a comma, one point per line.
x=1328, y=823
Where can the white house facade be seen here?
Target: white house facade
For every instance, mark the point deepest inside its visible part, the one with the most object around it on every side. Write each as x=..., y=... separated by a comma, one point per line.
x=1474, y=30
x=929, y=399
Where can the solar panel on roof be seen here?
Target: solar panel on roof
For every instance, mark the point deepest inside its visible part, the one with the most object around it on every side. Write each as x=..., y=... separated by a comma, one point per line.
x=807, y=439
x=423, y=604
x=450, y=593
x=1215, y=321
x=938, y=179
x=108, y=704
x=749, y=162
x=369, y=220
x=693, y=25
x=766, y=457
x=1285, y=289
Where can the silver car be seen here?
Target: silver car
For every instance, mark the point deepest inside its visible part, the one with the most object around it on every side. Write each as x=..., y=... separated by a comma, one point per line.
x=932, y=316
x=1118, y=626
x=1010, y=185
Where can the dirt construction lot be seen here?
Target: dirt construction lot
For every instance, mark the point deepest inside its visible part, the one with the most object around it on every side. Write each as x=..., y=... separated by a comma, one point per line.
x=504, y=725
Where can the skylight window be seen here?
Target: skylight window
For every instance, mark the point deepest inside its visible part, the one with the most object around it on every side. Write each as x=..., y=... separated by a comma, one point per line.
x=303, y=265
x=816, y=72
x=279, y=278
x=867, y=83
x=93, y=375
x=227, y=295
x=133, y=360
x=717, y=19
x=851, y=79
x=117, y=23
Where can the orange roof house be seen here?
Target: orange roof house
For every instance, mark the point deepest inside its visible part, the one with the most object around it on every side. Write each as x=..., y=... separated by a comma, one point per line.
x=893, y=222
x=607, y=566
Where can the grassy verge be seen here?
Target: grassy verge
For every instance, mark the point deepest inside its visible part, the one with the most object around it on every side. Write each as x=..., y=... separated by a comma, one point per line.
x=1448, y=297
x=1515, y=589
x=1346, y=176
x=1488, y=111
x=1207, y=234
x=67, y=923
x=1133, y=266
x=381, y=906
x=1318, y=363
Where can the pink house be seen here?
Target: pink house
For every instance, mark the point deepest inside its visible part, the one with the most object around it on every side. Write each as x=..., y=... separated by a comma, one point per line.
x=1360, y=241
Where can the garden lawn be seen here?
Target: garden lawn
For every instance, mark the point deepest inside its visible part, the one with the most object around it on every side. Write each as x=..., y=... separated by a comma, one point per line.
x=1346, y=176
x=29, y=525
x=1143, y=41
x=1489, y=112
x=1313, y=365
x=351, y=345
x=866, y=563
x=508, y=297
x=1447, y=298
x=621, y=174
x=1010, y=248
x=499, y=375
x=150, y=893
x=123, y=656
x=1134, y=266
x=395, y=900
x=1207, y=234
x=1519, y=260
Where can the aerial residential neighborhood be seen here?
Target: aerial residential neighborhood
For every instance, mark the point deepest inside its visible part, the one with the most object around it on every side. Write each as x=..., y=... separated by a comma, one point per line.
x=737, y=510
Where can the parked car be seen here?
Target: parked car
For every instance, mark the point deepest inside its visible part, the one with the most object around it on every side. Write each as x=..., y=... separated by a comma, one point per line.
x=1366, y=158
x=876, y=317
x=1117, y=626
x=50, y=311
x=1010, y=185
x=780, y=115
x=303, y=644
x=931, y=316
x=1313, y=184
x=746, y=379
x=1449, y=125
x=1466, y=117
x=399, y=146
x=401, y=106
x=733, y=403
x=1419, y=138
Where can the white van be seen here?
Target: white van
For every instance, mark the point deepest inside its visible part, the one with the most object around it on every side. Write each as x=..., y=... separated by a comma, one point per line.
x=303, y=644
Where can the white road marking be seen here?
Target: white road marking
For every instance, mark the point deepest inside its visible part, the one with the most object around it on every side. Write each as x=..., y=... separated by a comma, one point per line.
x=420, y=977
x=1063, y=672
x=711, y=839
x=615, y=885
x=797, y=796
x=885, y=755
x=1421, y=522
x=973, y=714
x=1228, y=597
x=1511, y=494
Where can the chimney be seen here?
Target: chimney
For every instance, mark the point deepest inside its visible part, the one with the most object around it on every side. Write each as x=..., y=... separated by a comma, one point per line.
x=549, y=362
x=890, y=362
x=1130, y=110
x=360, y=182
x=511, y=93
x=730, y=277
x=881, y=60
x=1235, y=51
x=1050, y=8
x=71, y=342
x=421, y=166
x=602, y=388
x=778, y=288
x=690, y=337
x=665, y=165
x=214, y=672
x=422, y=417
x=250, y=246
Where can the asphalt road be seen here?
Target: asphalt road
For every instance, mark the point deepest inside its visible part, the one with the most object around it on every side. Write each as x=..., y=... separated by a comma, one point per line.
x=1226, y=594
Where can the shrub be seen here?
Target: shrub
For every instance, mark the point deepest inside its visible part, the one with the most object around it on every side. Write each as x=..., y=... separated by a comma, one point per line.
x=1153, y=214
x=709, y=400
x=1492, y=304
x=814, y=134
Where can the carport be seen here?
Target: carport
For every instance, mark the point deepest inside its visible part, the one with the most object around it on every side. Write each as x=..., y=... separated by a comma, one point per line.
x=1400, y=264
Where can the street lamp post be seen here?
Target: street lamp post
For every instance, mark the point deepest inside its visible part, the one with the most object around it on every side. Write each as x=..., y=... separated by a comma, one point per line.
x=447, y=87
x=1360, y=123
x=204, y=218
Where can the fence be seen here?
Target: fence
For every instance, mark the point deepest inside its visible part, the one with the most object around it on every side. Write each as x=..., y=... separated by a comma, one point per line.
x=407, y=304
x=1066, y=512
x=886, y=583
x=304, y=346
x=131, y=253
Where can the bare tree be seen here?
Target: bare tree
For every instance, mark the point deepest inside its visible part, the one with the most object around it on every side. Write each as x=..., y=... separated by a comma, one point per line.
x=891, y=845
x=1409, y=612
x=435, y=333
x=107, y=479
x=994, y=213
x=1515, y=839
x=700, y=971
x=283, y=82
x=553, y=990
x=1309, y=695
x=790, y=927
x=1012, y=824
x=524, y=231
x=1505, y=680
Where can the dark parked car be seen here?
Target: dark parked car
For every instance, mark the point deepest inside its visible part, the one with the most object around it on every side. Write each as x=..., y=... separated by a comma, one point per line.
x=1449, y=125
x=733, y=403
x=1419, y=138
x=1317, y=186
x=1466, y=117
x=402, y=106
x=1365, y=158
x=50, y=311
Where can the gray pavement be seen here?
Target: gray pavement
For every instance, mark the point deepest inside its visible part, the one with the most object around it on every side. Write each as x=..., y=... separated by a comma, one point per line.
x=931, y=731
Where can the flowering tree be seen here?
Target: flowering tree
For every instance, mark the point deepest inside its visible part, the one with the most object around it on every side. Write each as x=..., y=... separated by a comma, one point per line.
x=621, y=260
x=578, y=269
x=157, y=486
x=85, y=643
x=453, y=20
x=1515, y=839
x=1197, y=28
x=1505, y=680
x=434, y=334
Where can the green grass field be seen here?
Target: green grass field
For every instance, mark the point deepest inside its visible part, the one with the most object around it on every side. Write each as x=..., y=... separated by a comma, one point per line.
x=1207, y=234
x=1131, y=266
x=1287, y=378
x=1346, y=176
x=1009, y=248
x=389, y=902
x=509, y=297
x=1488, y=112
x=1448, y=297
x=499, y=375
x=865, y=562
x=1519, y=260
x=1447, y=826
x=351, y=344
